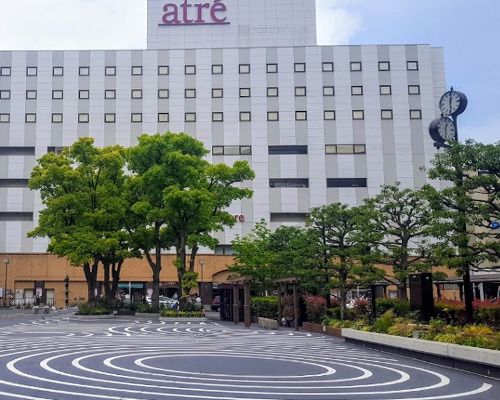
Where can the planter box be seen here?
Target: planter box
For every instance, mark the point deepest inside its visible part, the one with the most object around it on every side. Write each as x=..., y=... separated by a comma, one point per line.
x=183, y=319
x=125, y=312
x=267, y=323
x=317, y=328
x=92, y=317
x=154, y=316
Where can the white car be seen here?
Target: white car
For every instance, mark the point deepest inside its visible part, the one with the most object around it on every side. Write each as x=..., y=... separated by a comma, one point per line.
x=165, y=301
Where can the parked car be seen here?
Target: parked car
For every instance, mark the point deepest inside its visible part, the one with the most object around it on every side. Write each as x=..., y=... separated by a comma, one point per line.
x=165, y=301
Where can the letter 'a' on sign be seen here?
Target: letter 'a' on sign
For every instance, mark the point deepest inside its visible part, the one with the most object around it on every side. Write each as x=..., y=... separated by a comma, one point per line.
x=188, y=12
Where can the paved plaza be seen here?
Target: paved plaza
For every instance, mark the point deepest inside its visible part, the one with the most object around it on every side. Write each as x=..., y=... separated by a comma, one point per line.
x=57, y=358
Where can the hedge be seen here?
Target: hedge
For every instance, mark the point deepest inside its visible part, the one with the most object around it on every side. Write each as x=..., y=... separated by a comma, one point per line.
x=266, y=307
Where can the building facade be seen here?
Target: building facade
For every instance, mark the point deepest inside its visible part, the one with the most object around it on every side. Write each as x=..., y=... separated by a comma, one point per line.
x=318, y=124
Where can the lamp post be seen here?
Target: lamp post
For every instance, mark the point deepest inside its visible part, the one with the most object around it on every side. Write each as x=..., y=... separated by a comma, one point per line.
x=202, y=264
x=6, y=261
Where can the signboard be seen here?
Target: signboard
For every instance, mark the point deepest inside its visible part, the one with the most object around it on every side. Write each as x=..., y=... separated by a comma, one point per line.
x=195, y=13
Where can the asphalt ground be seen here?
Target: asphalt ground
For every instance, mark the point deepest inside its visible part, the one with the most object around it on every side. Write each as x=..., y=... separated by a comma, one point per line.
x=53, y=357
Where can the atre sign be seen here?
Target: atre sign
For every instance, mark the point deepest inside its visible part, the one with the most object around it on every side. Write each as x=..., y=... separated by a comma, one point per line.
x=195, y=13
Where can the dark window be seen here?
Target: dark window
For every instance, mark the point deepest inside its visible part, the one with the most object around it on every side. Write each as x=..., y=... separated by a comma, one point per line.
x=288, y=183
x=289, y=217
x=299, y=67
x=17, y=151
x=384, y=66
x=346, y=182
x=54, y=149
x=136, y=70
x=414, y=89
x=13, y=183
x=327, y=67
x=385, y=89
x=412, y=65
x=84, y=71
x=231, y=150
x=244, y=68
x=292, y=149
x=356, y=66
x=58, y=71
x=110, y=71
x=190, y=70
x=4, y=94
x=272, y=68
x=31, y=71
x=217, y=69
x=16, y=216
x=5, y=71
x=163, y=70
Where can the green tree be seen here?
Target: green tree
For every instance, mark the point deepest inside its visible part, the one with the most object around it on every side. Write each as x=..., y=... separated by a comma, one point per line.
x=402, y=218
x=343, y=245
x=81, y=189
x=461, y=216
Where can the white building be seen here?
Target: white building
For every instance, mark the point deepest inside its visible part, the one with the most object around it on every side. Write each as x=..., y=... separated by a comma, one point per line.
x=318, y=124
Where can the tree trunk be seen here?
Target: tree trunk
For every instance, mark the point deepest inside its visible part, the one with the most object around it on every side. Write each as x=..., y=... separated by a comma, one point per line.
x=468, y=296
x=156, y=270
x=192, y=258
x=91, y=278
x=107, y=282
x=402, y=291
x=115, y=272
x=343, y=302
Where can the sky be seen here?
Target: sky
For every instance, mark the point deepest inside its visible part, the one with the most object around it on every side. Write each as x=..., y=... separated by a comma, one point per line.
x=467, y=29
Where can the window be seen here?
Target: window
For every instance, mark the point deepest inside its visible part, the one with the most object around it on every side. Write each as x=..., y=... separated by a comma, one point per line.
x=4, y=94
x=224, y=250
x=356, y=66
x=84, y=71
x=110, y=118
x=5, y=71
x=83, y=94
x=57, y=94
x=16, y=216
x=415, y=114
x=137, y=70
x=245, y=116
x=244, y=68
x=163, y=93
x=57, y=118
x=17, y=151
x=217, y=69
x=244, y=92
x=328, y=91
x=300, y=115
x=13, y=183
x=231, y=150
x=384, y=66
x=57, y=71
x=4, y=118
x=345, y=149
x=289, y=183
x=31, y=71
x=412, y=65
x=357, y=90
x=413, y=89
x=346, y=182
x=217, y=93
x=110, y=94
x=299, y=67
x=163, y=117
x=55, y=150
x=272, y=92
x=329, y=115
x=190, y=70
x=110, y=71
x=300, y=91
x=358, y=114
x=289, y=218
x=136, y=94
x=385, y=90
x=272, y=68
x=31, y=94
x=190, y=93
x=286, y=150
x=30, y=118
x=217, y=117
x=163, y=70
x=190, y=117
x=273, y=116
x=386, y=114
x=136, y=117
x=327, y=67
x=83, y=118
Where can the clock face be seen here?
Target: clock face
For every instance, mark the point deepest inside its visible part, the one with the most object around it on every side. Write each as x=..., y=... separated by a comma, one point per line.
x=446, y=129
x=453, y=103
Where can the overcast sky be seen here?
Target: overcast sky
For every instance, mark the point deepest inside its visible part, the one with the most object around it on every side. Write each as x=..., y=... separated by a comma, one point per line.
x=467, y=29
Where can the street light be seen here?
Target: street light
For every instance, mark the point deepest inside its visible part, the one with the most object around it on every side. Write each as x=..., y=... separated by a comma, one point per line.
x=6, y=261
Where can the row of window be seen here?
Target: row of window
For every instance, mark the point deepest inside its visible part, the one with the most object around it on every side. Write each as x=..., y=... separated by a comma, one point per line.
x=245, y=116
x=217, y=69
x=300, y=91
x=289, y=149
x=304, y=183
x=273, y=183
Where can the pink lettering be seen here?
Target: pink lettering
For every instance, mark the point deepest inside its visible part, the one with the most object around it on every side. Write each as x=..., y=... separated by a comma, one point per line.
x=218, y=7
x=215, y=12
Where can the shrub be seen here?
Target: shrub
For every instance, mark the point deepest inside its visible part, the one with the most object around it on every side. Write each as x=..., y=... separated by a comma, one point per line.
x=361, y=306
x=383, y=323
x=315, y=308
x=86, y=309
x=401, y=308
x=401, y=329
x=333, y=313
x=266, y=307
x=147, y=308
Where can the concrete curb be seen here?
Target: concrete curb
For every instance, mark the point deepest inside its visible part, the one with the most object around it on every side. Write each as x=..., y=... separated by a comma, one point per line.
x=268, y=323
x=183, y=319
x=473, y=359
